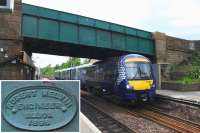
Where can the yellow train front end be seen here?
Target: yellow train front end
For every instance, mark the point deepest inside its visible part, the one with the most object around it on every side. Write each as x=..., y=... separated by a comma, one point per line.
x=140, y=80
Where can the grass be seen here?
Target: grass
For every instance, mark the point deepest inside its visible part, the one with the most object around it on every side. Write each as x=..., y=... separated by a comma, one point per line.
x=185, y=68
x=191, y=71
x=187, y=80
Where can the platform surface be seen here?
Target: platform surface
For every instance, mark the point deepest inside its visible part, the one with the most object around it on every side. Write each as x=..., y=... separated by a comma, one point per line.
x=189, y=95
x=87, y=126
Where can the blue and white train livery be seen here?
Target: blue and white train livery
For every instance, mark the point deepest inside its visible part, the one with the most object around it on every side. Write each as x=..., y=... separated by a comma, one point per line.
x=129, y=78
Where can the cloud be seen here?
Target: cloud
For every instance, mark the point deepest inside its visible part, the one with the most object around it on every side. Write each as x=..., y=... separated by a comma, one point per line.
x=180, y=18
x=42, y=60
x=185, y=13
x=126, y=12
x=171, y=16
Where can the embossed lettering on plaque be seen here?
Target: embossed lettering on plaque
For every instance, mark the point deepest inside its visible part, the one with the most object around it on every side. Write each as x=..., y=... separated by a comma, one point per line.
x=39, y=108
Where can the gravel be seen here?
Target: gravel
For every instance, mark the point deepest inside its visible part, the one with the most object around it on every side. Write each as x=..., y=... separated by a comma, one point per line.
x=135, y=123
x=102, y=121
x=183, y=111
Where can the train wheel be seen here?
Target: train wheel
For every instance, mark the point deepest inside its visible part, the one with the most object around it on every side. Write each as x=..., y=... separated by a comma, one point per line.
x=151, y=100
x=116, y=100
x=89, y=89
x=97, y=91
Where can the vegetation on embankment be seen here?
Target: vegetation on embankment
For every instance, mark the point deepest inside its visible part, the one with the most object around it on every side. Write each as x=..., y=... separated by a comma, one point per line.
x=191, y=68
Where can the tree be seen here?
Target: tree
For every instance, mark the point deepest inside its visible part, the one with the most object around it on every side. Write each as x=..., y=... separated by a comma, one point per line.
x=57, y=67
x=86, y=61
x=195, y=59
x=49, y=70
x=73, y=61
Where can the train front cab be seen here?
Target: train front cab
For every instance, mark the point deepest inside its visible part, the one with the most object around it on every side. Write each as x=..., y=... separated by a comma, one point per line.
x=139, y=83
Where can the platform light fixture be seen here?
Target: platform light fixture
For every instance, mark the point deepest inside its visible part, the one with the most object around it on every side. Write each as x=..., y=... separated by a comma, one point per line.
x=6, y=5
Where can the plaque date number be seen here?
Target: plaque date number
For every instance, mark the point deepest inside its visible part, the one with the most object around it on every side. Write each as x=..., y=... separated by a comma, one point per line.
x=39, y=123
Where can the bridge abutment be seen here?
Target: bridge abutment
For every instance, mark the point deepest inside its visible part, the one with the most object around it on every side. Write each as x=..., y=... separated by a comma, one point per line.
x=11, y=45
x=172, y=51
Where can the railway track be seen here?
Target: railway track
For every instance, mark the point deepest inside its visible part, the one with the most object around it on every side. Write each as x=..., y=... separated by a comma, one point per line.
x=154, y=114
x=183, y=101
x=156, y=109
x=169, y=121
x=104, y=122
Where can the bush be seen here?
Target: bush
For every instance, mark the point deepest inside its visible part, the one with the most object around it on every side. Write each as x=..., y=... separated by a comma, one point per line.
x=195, y=59
x=191, y=67
x=195, y=74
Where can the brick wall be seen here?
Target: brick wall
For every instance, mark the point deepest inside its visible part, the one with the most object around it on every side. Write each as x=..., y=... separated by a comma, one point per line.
x=10, y=24
x=16, y=72
x=172, y=50
x=178, y=50
x=10, y=31
x=175, y=57
x=161, y=47
x=197, y=45
x=11, y=44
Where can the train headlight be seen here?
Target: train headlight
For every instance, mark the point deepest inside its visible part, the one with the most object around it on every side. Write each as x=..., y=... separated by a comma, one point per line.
x=153, y=86
x=128, y=87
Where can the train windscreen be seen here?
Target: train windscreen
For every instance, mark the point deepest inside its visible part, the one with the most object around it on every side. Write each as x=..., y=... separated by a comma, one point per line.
x=138, y=71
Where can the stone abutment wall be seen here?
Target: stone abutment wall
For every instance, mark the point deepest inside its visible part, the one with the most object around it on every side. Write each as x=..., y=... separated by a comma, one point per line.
x=171, y=51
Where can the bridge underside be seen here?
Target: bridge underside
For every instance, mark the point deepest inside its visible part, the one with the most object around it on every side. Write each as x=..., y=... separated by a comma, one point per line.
x=73, y=50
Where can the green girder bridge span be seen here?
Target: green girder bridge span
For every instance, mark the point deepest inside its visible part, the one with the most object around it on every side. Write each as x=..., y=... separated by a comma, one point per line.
x=54, y=32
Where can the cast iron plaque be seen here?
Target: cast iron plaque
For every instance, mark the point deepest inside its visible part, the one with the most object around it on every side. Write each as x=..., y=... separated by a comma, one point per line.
x=39, y=108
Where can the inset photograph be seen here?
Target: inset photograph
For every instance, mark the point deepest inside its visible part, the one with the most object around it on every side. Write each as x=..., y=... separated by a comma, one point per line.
x=40, y=106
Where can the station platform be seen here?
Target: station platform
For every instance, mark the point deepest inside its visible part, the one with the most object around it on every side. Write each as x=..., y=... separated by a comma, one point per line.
x=191, y=96
x=87, y=126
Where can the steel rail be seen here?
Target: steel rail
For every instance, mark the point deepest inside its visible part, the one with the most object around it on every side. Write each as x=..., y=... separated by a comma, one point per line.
x=120, y=125
x=169, y=121
x=183, y=101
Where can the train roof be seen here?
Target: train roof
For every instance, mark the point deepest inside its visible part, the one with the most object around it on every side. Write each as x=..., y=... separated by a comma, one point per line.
x=82, y=66
x=135, y=56
x=76, y=67
x=123, y=57
x=91, y=64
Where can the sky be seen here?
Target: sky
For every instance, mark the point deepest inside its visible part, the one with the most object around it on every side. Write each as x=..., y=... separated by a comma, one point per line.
x=179, y=18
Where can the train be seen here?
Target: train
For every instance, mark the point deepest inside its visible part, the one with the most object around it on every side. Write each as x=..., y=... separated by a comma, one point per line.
x=126, y=79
